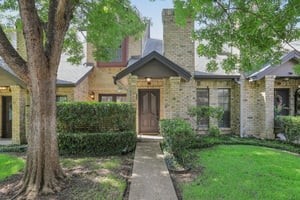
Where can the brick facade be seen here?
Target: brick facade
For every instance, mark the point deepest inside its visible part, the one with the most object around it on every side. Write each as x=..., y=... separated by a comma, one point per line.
x=251, y=102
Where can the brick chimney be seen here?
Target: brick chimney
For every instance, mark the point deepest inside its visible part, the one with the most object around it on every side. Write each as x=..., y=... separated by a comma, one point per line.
x=178, y=45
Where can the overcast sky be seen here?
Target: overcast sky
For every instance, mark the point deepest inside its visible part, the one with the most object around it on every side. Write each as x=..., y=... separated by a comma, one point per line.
x=152, y=10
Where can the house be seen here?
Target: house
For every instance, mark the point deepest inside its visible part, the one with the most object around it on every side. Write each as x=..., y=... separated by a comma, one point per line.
x=162, y=80
x=72, y=82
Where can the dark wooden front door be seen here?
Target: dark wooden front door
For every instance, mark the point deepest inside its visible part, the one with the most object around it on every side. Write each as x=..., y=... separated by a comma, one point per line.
x=148, y=111
x=6, y=116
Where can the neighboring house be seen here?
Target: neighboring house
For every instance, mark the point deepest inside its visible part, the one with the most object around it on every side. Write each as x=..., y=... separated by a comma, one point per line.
x=162, y=80
x=72, y=85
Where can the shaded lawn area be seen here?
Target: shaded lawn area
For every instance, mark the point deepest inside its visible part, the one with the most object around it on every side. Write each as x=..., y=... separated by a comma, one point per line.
x=87, y=178
x=245, y=172
x=10, y=165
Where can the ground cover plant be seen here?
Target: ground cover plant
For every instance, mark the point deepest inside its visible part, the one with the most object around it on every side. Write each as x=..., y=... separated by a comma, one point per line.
x=244, y=172
x=87, y=178
x=9, y=165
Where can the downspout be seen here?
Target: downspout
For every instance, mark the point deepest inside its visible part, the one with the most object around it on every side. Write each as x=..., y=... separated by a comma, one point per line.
x=242, y=115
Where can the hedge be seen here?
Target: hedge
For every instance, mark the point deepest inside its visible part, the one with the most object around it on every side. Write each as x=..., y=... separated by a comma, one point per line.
x=95, y=117
x=96, y=144
x=204, y=141
x=13, y=148
x=290, y=126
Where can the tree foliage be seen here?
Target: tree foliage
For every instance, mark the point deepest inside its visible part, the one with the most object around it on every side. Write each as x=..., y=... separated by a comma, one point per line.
x=48, y=27
x=249, y=33
x=108, y=22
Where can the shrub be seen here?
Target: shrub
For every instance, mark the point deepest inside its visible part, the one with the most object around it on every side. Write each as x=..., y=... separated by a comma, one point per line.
x=209, y=141
x=290, y=126
x=96, y=144
x=206, y=112
x=13, y=148
x=94, y=117
x=214, y=131
x=178, y=139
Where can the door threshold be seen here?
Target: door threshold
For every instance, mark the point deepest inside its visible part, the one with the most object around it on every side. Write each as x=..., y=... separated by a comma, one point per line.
x=150, y=137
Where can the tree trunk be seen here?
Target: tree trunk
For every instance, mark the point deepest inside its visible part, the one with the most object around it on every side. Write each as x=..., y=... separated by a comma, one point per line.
x=43, y=172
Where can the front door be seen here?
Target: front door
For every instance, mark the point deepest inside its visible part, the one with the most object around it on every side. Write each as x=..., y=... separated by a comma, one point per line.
x=6, y=116
x=148, y=111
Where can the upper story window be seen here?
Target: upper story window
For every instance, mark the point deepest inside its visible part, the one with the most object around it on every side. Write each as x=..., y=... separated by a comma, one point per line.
x=119, y=58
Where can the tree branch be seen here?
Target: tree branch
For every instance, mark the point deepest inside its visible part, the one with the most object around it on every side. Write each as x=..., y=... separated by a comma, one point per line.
x=13, y=58
x=32, y=29
x=59, y=17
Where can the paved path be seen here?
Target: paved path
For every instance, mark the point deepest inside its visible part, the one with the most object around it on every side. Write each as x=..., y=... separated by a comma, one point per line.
x=150, y=176
x=5, y=141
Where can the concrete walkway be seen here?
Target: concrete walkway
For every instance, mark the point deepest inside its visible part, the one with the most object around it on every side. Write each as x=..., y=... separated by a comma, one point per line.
x=150, y=176
x=4, y=141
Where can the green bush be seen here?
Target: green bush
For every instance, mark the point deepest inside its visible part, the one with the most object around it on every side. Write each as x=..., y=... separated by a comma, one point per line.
x=290, y=126
x=96, y=144
x=178, y=139
x=13, y=148
x=95, y=117
x=205, y=112
x=214, y=131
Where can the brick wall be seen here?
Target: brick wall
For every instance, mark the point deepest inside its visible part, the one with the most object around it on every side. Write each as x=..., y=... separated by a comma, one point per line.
x=66, y=91
x=81, y=91
x=213, y=86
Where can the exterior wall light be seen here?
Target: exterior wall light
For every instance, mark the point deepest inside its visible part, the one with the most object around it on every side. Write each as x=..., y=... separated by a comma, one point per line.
x=148, y=79
x=5, y=88
x=92, y=95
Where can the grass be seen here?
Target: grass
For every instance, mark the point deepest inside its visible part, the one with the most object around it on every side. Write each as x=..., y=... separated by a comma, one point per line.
x=245, y=172
x=9, y=165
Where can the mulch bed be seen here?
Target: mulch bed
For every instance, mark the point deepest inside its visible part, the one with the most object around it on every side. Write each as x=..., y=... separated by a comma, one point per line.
x=77, y=179
x=180, y=178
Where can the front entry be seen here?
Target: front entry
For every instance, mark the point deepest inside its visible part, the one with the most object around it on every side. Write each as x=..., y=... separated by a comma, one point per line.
x=6, y=116
x=148, y=111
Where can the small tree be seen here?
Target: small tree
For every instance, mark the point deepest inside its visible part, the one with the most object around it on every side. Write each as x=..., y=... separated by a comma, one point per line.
x=48, y=28
x=206, y=112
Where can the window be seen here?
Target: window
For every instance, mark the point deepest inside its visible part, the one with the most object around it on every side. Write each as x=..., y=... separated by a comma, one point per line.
x=112, y=97
x=61, y=98
x=224, y=103
x=203, y=100
x=119, y=59
x=281, y=101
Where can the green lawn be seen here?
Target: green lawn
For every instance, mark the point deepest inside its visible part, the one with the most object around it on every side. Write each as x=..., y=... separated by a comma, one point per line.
x=245, y=172
x=9, y=165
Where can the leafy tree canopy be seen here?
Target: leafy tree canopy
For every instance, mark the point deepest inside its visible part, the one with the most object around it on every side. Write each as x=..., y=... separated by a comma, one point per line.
x=249, y=32
x=107, y=22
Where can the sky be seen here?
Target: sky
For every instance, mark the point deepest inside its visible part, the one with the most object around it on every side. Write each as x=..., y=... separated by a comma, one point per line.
x=152, y=10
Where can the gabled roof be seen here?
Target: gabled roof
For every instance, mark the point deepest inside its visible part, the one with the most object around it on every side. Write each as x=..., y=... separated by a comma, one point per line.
x=153, y=45
x=205, y=75
x=154, y=56
x=67, y=75
x=4, y=68
x=269, y=69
